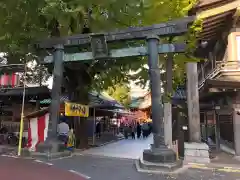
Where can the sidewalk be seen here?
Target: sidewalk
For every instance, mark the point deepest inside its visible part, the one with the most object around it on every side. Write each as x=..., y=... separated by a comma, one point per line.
x=7, y=149
x=223, y=162
x=127, y=148
x=106, y=138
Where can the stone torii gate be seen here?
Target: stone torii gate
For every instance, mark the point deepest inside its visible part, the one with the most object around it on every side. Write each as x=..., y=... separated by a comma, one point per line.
x=159, y=153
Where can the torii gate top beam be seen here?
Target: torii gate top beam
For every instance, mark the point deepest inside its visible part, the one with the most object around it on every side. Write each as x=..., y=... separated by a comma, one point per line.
x=171, y=28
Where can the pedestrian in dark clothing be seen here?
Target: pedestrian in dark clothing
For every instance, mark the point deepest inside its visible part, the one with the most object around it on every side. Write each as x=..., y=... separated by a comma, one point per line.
x=149, y=129
x=145, y=130
x=125, y=130
x=139, y=130
x=98, y=130
x=132, y=131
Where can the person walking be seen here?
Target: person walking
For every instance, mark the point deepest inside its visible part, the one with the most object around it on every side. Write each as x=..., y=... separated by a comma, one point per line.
x=132, y=129
x=149, y=129
x=125, y=131
x=63, y=130
x=145, y=130
x=98, y=130
x=139, y=130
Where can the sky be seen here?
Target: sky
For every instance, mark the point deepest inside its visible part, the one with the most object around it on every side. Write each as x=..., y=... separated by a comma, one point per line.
x=136, y=91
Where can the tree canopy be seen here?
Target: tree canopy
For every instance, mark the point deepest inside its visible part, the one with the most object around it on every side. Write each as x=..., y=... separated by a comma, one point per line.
x=25, y=21
x=121, y=93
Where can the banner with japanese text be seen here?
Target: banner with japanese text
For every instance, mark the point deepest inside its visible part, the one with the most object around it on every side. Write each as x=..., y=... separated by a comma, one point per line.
x=74, y=109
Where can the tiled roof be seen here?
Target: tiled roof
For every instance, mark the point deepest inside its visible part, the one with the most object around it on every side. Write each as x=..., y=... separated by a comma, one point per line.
x=180, y=93
x=96, y=100
x=48, y=101
x=142, y=102
x=136, y=102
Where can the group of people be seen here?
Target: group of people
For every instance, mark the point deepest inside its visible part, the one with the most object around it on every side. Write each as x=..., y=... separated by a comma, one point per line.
x=142, y=130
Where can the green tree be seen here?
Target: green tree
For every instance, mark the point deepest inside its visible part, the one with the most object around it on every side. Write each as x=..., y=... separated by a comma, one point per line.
x=25, y=21
x=121, y=93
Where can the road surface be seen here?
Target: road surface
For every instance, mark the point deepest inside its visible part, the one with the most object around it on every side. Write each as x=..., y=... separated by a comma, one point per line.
x=108, y=168
x=114, y=162
x=22, y=169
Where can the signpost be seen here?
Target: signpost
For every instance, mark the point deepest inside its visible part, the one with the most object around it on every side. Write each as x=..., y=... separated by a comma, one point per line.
x=159, y=153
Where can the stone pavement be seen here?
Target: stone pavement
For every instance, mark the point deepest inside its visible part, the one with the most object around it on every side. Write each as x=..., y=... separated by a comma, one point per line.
x=106, y=138
x=128, y=148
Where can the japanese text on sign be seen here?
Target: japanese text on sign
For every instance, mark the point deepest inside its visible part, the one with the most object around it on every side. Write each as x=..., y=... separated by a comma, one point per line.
x=73, y=109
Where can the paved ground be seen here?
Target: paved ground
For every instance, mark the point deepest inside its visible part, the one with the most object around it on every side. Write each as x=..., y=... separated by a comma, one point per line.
x=114, y=161
x=129, y=148
x=22, y=169
x=102, y=168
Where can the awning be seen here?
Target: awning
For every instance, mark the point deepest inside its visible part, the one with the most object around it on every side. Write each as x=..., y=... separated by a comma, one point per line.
x=42, y=92
x=10, y=68
x=216, y=87
x=28, y=91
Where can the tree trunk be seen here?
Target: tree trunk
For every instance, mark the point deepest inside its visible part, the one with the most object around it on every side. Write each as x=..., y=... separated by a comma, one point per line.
x=81, y=124
x=78, y=90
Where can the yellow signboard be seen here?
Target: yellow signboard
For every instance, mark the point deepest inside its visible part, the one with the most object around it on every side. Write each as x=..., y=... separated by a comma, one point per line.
x=74, y=109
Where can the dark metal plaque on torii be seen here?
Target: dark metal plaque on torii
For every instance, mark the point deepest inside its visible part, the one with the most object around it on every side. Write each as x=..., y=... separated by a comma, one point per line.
x=99, y=46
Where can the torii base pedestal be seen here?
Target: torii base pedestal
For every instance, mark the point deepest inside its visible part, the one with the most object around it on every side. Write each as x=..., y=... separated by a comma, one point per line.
x=158, y=160
x=48, y=150
x=196, y=153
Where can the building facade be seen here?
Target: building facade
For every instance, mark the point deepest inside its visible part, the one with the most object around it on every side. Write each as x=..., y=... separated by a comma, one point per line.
x=219, y=72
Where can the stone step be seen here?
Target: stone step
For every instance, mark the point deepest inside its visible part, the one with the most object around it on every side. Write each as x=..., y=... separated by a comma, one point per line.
x=161, y=167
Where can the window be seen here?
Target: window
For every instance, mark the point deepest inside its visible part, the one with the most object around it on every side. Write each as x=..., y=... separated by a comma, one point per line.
x=238, y=47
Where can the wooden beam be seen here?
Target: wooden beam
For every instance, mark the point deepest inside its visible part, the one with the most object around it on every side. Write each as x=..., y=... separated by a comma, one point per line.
x=216, y=18
x=208, y=38
x=207, y=34
x=236, y=16
x=219, y=10
x=171, y=28
x=118, y=53
x=214, y=27
x=212, y=23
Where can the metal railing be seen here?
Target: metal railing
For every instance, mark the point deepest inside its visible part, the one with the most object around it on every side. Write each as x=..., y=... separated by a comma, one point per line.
x=222, y=66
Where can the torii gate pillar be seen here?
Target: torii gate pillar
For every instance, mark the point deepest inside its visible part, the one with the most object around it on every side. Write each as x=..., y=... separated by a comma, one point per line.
x=160, y=155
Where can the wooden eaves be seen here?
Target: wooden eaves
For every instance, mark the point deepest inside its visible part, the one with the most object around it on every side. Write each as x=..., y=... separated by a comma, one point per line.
x=218, y=16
